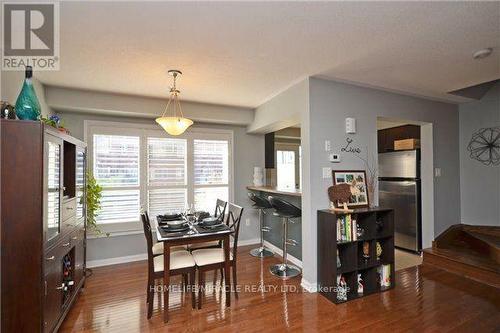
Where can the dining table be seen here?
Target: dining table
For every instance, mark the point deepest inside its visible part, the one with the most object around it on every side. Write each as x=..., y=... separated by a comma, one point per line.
x=195, y=234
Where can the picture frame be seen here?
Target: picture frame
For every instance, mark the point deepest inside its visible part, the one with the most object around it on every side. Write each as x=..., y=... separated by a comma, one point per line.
x=359, y=199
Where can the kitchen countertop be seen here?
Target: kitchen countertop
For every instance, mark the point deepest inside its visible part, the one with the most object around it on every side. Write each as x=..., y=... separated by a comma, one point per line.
x=274, y=189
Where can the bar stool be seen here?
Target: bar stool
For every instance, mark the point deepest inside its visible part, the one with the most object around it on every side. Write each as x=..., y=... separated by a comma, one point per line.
x=261, y=204
x=286, y=211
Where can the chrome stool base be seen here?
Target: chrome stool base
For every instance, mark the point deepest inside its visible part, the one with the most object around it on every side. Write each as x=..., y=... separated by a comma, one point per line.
x=261, y=252
x=285, y=271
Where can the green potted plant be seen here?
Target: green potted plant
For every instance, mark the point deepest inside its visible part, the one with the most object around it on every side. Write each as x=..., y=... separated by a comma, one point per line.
x=94, y=194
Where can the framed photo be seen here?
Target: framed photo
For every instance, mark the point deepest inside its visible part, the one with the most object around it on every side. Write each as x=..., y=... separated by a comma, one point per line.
x=357, y=180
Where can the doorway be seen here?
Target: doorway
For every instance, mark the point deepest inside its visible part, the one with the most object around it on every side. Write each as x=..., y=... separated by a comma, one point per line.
x=406, y=184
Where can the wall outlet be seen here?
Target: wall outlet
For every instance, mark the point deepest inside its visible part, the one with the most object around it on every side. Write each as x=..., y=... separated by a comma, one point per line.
x=327, y=173
x=328, y=145
x=247, y=222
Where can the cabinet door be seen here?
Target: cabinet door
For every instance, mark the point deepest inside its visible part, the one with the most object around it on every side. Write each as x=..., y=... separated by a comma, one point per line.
x=81, y=159
x=52, y=289
x=52, y=188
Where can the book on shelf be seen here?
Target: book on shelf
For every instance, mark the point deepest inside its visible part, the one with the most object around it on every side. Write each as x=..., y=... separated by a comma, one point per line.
x=346, y=228
x=384, y=275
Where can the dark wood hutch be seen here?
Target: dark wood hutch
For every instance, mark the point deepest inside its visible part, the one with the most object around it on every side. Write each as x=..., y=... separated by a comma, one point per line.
x=42, y=225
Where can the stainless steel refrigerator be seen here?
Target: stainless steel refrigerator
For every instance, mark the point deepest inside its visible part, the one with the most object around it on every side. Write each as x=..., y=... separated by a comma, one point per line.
x=399, y=188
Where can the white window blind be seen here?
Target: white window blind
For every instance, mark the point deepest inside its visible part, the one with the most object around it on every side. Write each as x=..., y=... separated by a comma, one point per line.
x=210, y=162
x=211, y=173
x=116, y=169
x=167, y=175
x=116, y=160
x=142, y=167
x=166, y=161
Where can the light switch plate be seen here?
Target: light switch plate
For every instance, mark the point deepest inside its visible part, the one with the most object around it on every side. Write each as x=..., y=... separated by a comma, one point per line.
x=437, y=172
x=327, y=173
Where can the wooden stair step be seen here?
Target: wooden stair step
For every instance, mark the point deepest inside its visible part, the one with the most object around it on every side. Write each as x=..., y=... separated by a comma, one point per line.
x=463, y=263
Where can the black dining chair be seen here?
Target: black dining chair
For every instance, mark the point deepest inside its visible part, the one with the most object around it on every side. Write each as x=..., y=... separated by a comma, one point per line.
x=220, y=212
x=213, y=259
x=181, y=263
x=158, y=246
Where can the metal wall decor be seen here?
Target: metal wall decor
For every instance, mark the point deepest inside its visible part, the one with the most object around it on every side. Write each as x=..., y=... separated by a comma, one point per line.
x=484, y=146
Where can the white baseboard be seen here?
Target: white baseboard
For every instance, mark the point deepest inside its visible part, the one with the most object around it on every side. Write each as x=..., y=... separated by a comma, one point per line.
x=279, y=252
x=144, y=256
x=308, y=286
x=248, y=242
x=116, y=260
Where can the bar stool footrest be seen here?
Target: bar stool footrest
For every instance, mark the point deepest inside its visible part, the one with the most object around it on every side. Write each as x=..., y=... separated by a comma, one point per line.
x=285, y=271
x=261, y=252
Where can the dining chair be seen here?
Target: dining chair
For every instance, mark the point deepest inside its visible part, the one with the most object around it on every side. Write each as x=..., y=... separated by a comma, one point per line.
x=158, y=246
x=213, y=258
x=220, y=211
x=181, y=263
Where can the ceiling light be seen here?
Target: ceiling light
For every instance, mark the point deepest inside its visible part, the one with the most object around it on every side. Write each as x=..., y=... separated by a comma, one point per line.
x=175, y=124
x=482, y=53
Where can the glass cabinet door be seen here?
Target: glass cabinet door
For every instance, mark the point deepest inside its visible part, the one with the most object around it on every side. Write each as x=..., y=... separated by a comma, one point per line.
x=53, y=187
x=80, y=182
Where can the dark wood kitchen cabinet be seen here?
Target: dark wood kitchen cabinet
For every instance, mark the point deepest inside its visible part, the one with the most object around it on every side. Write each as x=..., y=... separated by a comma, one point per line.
x=386, y=137
x=42, y=225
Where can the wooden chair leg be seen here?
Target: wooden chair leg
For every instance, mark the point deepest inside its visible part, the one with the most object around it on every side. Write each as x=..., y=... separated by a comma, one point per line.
x=191, y=285
x=147, y=291
x=235, y=283
x=151, y=298
x=184, y=282
x=221, y=276
x=201, y=286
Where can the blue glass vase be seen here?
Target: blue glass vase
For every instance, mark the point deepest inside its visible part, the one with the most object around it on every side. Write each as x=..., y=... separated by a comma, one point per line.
x=27, y=105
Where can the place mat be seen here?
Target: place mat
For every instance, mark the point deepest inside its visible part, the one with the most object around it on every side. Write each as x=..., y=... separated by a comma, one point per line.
x=203, y=230
x=165, y=234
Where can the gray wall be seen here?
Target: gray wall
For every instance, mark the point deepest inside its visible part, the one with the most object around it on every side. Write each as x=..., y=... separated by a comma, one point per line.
x=248, y=152
x=284, y=110
x=330, y=103
x=480, y=184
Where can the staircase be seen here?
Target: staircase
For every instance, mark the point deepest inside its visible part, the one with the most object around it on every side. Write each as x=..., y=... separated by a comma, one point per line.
x=469, y=251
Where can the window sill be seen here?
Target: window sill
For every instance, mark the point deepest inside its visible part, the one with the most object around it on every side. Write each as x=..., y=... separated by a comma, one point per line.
x=115, y=234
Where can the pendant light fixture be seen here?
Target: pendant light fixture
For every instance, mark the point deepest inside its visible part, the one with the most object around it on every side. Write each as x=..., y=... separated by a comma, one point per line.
x=175, y=123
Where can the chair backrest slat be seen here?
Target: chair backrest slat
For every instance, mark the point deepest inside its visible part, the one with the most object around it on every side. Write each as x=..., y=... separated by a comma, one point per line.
x=220, y=208
x=146, y=224
x=233, y=220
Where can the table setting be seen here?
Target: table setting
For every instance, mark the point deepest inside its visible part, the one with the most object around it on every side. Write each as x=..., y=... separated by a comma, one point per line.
x=189, y=223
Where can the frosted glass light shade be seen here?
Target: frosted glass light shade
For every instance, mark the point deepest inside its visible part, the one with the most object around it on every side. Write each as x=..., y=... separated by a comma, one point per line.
x=174, y=125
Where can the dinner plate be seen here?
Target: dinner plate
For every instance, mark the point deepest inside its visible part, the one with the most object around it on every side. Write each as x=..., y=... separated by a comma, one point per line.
x=167, y=228
x=169, y=217
x=210, y=221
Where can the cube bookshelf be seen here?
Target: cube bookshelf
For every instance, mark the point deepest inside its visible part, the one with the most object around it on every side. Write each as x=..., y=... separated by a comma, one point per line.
x=378, y=227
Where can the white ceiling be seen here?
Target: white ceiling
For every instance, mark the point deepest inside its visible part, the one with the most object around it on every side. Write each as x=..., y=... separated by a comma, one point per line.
x=244, y=53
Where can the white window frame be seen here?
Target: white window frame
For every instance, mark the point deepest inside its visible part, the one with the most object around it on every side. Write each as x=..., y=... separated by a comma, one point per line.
x=144, y=131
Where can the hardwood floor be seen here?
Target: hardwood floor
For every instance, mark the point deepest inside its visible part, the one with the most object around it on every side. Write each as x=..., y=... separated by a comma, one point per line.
x=425, y=299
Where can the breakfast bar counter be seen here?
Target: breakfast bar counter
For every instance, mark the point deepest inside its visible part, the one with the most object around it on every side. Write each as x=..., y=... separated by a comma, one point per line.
x=276, y=190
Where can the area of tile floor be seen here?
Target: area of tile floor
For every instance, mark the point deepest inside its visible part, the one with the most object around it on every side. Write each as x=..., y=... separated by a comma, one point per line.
x=406, y=259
